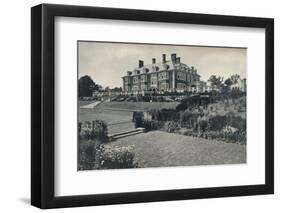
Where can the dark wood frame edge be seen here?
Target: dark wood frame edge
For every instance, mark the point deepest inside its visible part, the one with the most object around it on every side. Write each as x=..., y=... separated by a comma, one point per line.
x=42, y=105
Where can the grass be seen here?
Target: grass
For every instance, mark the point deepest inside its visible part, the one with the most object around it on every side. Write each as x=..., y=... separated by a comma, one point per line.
x=157, y=148
x=84, y=103
x=117, y=121
x=161, y=149
x=118, y=115
x=136, y=106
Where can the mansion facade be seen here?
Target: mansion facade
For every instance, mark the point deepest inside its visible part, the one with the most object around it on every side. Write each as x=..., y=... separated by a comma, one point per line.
x=165, y=76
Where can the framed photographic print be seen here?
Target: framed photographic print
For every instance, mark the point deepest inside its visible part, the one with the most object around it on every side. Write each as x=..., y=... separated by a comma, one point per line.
x=139, y=106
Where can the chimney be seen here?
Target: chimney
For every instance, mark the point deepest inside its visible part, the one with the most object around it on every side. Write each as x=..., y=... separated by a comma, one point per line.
x=153, y=60
x=173, y=57
x=164, y=58
x=140, y=63
x=192, y=69
x=178, y=60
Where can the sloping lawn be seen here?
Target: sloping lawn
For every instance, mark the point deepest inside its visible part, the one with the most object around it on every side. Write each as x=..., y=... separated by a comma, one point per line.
x=84, y=103
x=117, y=121
x=136, y=106
x=161, y=149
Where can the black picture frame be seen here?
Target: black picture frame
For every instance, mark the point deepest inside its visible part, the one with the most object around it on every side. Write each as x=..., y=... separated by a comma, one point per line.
x=43, y=102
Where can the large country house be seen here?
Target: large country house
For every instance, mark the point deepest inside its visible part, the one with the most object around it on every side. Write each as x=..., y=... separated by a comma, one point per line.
x=167, y=75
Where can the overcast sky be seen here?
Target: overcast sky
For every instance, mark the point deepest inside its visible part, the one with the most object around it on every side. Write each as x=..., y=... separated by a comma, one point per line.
x=106, y=63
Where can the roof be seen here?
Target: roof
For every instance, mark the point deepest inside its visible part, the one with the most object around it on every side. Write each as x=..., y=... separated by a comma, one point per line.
x=158, y=67
x=163, y=66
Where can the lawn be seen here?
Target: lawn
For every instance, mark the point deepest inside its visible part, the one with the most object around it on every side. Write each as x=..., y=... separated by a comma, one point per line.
x=84, y=103
x=161, y=149
x=117, y=121
x=118, y=115
x=136, y=106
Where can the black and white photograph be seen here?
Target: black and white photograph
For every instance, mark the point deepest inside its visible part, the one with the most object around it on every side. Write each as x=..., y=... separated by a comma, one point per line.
x=160, y=105
x=140, y=106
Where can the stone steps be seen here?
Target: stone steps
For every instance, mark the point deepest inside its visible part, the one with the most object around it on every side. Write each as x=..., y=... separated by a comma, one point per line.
x=116, y=136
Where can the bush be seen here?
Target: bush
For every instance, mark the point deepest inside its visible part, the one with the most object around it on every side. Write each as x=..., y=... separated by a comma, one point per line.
x=203, y=125
x=97, y=130
x=235, y=137
x=185, y=118
x=86, y=154
x=193, y=101
x=168, y=115
x=182, y=106
x=93, y=155
x=190, y=132
x=211, y=135
x=238, y=122
x=217, y=123
x=171, y=126
x=189, y=119
x=229, y=128
x=151, y=125
x=138, y=119
x=84, y=130
x=115, y=158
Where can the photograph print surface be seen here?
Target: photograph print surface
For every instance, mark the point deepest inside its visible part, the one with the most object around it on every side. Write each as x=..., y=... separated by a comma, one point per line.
x=160, y=105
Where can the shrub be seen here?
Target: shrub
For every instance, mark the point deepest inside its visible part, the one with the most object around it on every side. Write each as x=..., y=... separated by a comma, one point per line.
x=138, y=119
x=168, y=115
x=182, y=106
x=86, y=154
x=238, y=122
x=84, y=130
x=115, y=158
x=185, y=118
x=203, y=125
x=93, y=155
x=193, y=101
x=151, y=125
x=211, y=135
x=97, y=130
x=242, y=137
x=154, y=114
x=217, y=123
x=190, y=132
x=172, y=126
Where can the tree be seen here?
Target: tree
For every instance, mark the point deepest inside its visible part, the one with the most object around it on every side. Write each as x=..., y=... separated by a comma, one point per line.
x=234, y=78
x=117, y=89
x=106, y=89
x=228, y=82
x=86, y=86
x=216, y=81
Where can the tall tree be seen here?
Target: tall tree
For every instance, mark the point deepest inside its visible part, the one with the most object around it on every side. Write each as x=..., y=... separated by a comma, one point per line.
x=86, y=86
x=234, y=78
x=216, y=81
x=228, y=82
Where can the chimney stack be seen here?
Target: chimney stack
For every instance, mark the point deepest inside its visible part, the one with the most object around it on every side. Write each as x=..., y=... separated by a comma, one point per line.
x=173, y=57
x=192, y=69
x=164, y=58
x=153, y=60
x=140, y=63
